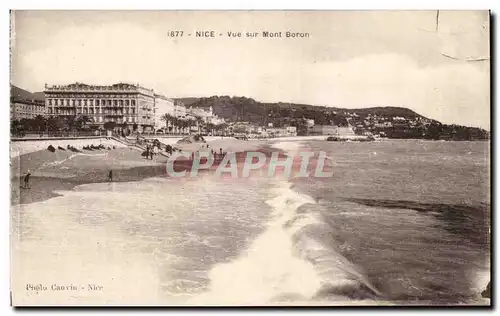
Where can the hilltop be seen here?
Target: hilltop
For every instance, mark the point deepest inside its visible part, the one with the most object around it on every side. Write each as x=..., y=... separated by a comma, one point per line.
x=389, y=121
x=250, y=110
x=21, y=94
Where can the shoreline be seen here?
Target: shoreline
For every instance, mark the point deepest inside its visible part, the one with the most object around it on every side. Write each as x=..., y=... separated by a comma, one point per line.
x=44, y=184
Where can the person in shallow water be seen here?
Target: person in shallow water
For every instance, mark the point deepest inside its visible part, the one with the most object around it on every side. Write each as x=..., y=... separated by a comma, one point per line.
x=27, y=180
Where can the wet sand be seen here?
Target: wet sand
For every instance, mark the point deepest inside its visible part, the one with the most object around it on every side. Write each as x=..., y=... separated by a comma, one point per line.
x=63, y=170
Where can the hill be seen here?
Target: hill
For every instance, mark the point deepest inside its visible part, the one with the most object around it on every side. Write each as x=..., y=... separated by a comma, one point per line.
x=21, y=94
x=187, y=101
x=248, y=109
x=392, y=122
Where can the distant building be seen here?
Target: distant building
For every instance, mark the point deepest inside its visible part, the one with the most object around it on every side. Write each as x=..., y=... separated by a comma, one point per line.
x=201, y=113
x=331, y=130
x=180, y=110
x=163, y=105
x=344, y=131
x=25, y=105
x=215, y=120
x=120, y=103
x=309, y=122
x=322, y=130
x=383, y=124
x=26, y=109
x=291, y=131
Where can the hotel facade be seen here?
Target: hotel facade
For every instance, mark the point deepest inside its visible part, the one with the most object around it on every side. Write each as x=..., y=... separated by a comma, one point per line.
x=121, y=103
x=26, y=109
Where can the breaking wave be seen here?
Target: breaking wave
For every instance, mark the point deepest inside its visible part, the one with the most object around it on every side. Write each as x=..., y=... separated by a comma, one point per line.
x=288, y=262
x=58, y=162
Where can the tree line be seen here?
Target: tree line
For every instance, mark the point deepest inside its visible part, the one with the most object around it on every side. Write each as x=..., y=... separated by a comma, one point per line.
x=53, y=124
x=175, y=124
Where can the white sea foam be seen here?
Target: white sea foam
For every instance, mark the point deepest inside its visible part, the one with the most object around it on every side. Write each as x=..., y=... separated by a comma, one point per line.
x=282, y=264
x=289, y=147
x=58, y=162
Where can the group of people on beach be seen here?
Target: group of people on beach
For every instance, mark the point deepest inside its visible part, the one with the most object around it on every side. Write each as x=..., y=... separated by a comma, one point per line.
x=216, y=155
x=151, y=150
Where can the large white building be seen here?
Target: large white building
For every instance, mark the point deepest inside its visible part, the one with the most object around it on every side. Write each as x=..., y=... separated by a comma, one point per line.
x=25, y=105
x=163, y=105
x=121, y=103
x=27, y=109
x=180, y=110
x=205, y=115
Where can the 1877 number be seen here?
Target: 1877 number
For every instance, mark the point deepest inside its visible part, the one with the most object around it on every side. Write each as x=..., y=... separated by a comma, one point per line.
x=175, y=33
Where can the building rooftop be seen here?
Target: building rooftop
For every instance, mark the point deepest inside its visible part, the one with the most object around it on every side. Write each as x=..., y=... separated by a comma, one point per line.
x=78, y=86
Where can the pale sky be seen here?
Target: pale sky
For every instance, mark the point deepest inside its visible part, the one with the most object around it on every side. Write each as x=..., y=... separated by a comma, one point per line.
x=352, y=59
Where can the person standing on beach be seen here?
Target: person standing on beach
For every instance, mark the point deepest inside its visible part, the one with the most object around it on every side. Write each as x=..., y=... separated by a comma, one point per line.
x=27, y=180
x=110, y=176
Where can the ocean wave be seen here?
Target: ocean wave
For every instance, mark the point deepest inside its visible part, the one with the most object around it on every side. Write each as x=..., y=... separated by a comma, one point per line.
x=58, y=162
x=289, y=147
x=287, y=263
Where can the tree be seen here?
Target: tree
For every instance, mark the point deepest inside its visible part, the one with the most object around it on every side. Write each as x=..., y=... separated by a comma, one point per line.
x=71, y=122
x=16, y=128
x=190, y=123
x=125, y=129
x=198, y=120
x=301, y=125
x=175, y=124
x=82, y=121
x=39, y=123
x=210, y=127
x=182, y=125
x=222, y=127
x=55, y=123
x=27, y=124
x=167, y=118
x=110, y=125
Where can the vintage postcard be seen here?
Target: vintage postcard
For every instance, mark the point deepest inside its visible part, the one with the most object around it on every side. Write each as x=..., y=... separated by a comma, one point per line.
x=250, y=158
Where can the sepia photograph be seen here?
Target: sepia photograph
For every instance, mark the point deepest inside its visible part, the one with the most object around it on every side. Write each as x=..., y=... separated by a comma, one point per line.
x=250, y=158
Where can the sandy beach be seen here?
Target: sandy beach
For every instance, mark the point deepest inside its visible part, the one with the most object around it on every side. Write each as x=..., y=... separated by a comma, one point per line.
x=63, y=170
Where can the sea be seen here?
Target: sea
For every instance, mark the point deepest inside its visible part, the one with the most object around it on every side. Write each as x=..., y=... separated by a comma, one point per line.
x=399, y=222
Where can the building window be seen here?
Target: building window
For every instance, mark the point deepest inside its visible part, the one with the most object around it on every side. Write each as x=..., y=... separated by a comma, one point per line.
x=133, y=102
x=127, y=102
x=91, y=102
x=121, y=102
x=115, y=102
